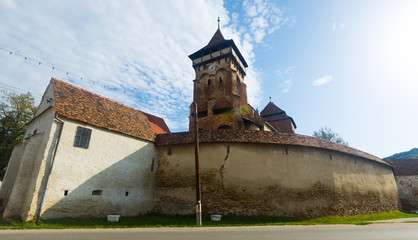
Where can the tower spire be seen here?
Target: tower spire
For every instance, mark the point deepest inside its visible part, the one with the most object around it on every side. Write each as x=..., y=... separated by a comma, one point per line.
x=218, y=22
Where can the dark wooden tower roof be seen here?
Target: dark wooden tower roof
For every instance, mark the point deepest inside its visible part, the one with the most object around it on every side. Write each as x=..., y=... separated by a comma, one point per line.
x=216, y=43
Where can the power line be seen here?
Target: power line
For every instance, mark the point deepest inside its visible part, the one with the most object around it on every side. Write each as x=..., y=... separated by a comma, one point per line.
x=41, y=63
x=16, y=89
x=68, y=73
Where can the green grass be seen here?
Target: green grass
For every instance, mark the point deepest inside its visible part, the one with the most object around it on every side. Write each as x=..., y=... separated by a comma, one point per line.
x=361, y=219
x=157, y=220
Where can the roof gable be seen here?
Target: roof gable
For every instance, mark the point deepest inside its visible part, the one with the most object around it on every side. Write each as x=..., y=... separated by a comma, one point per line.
x=79, y=104
x=271, y=109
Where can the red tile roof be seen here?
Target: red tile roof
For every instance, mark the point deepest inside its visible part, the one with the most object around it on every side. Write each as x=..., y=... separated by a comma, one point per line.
x=157, y=123
x=233, y=136
x=79, y=104
x=404, y=166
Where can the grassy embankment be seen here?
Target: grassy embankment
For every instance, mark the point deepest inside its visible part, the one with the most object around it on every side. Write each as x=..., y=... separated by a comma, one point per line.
x=156, y=220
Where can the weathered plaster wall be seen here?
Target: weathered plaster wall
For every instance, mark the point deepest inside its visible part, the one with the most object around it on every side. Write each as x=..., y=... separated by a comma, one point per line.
x=363, y=186
x=23, y=182
x=23, y=186
x=272, y=179
x=268, y=127
x=11, y=174
x=26, y=160
x=114, y=163
x=47, y=100
x=408, y=191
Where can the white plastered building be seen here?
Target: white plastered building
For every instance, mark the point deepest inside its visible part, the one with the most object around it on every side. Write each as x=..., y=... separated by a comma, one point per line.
x=83, y=155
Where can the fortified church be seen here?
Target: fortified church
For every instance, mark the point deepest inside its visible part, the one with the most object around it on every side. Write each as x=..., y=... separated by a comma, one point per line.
x=87, y=155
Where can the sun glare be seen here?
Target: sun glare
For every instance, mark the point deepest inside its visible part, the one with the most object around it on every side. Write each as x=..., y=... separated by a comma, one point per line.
x=397, y=38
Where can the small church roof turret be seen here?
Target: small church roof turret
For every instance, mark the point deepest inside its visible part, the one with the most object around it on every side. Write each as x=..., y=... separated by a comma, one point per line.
x=272, y=113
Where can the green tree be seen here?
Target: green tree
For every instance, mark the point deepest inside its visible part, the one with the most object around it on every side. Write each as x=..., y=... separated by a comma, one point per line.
x=328, y=134
x=15, y=111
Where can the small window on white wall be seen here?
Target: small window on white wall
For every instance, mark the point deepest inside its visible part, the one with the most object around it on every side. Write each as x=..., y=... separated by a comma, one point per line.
x=82, y=138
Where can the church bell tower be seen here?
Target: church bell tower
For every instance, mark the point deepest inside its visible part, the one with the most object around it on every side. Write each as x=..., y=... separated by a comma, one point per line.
x=219, y=89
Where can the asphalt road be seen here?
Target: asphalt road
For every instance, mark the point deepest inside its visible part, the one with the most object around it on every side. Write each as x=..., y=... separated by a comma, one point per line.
x=403, y=231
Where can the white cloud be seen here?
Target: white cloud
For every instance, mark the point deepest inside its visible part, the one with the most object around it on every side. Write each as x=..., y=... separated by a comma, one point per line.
x=336, y=26
x=260, y=18
x=322, y=80
x=135, y=52
x=284, y=72
x=263, y=17
x=251, y=11
x=286, y=77
x=138, y=47
x=286, y=85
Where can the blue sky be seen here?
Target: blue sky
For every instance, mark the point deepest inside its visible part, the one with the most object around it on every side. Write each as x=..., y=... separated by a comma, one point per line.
x=349, y=65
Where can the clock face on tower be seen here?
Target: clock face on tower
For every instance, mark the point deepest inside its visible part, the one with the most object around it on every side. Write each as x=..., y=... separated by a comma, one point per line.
x=211, y=67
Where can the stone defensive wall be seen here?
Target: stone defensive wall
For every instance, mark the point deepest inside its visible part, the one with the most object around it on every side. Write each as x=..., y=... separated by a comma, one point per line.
x=406, y=175
x=269, y=173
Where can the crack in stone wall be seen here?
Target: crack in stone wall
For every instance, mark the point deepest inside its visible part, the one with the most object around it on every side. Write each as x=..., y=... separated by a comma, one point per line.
x=222, y=169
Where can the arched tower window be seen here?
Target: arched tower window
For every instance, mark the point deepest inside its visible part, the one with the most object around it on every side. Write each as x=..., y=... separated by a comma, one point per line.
x=209, y=82
x=220, y=79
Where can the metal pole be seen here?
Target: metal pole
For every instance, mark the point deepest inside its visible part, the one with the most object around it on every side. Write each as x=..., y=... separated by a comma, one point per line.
x=197, y=168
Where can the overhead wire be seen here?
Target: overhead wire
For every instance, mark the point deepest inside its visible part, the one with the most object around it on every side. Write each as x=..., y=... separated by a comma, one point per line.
x=16, y=89
x=78, y=77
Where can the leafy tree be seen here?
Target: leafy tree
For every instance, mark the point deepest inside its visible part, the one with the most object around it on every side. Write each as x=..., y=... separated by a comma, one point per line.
x=328, y=134
x=15, y=111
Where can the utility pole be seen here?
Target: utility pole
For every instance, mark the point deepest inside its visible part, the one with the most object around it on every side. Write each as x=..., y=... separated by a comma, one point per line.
x=197, y=168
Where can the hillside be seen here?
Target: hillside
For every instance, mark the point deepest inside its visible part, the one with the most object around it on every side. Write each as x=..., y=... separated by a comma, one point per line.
x=413, y=153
